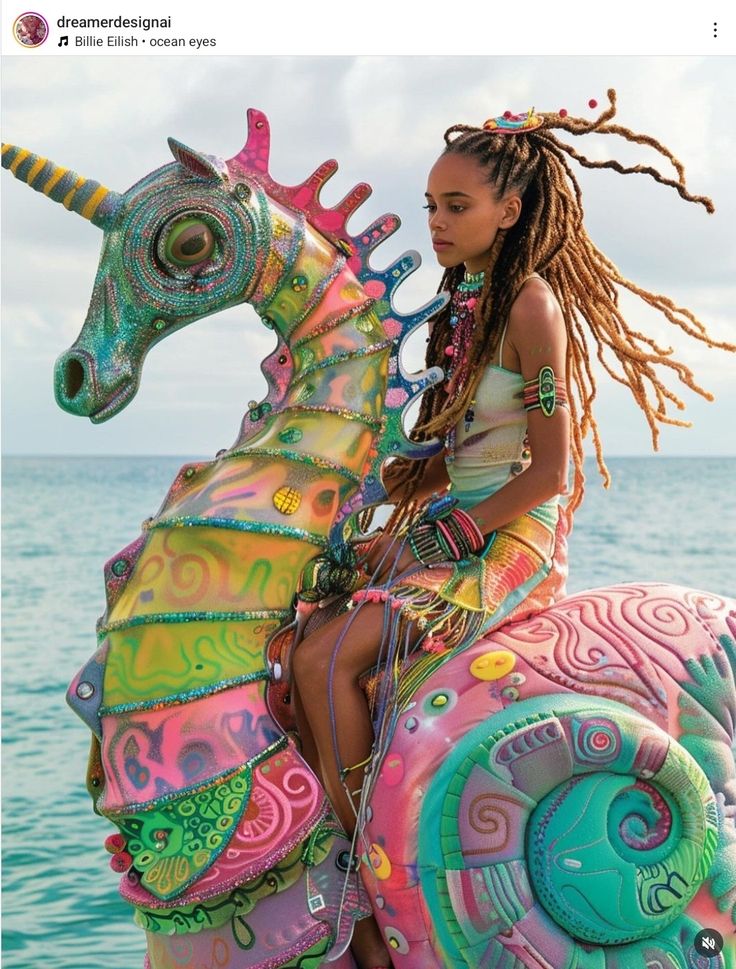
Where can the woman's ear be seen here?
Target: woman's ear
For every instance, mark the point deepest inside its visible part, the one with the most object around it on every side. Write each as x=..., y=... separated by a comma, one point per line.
x=511, y=211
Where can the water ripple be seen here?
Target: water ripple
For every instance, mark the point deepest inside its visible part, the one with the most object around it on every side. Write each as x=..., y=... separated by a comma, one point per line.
x=64, y=517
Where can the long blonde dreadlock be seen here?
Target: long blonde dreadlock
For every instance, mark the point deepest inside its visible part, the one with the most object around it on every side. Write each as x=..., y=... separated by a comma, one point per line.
x=549, y=238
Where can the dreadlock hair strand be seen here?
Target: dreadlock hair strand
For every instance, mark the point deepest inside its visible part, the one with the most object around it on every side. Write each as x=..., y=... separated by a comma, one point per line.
x=549, y=238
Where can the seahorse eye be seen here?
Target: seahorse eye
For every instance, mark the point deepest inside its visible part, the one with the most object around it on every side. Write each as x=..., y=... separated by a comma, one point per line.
x=190, y=242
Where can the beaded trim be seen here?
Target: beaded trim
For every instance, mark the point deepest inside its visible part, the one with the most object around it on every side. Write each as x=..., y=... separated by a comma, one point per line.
x=250, y=871
x=176, y=699
x=345, y=357
x=315, y=297
x=301, y=457
x=288, y=249
x=200, y=788
x=184, y=917
x=263, y=528
x=376, y=423
x=173, y=617
x=335, y=320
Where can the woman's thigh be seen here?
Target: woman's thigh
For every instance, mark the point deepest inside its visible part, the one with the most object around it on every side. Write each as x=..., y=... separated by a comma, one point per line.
x=344, y=647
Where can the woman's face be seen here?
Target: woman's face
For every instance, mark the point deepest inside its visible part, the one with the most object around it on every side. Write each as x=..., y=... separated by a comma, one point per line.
x=464, y=214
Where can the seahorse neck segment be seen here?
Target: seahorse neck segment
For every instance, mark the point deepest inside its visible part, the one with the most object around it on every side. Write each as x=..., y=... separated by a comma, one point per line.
x=182, y=716
x=316, y=441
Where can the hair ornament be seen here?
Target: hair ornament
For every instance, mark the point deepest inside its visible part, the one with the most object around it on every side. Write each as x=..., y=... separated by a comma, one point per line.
x=511, y=124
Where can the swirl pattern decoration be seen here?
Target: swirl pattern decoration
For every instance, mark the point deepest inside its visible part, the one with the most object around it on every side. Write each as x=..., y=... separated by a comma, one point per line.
x=561, y=794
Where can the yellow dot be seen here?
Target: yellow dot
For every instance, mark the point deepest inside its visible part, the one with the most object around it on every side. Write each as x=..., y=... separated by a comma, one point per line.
x=287, y=500
x=493, y=665
x=439, y=701
x=379, y=861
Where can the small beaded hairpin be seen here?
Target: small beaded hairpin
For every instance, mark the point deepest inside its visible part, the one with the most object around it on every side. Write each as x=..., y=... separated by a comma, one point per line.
x=510, y=124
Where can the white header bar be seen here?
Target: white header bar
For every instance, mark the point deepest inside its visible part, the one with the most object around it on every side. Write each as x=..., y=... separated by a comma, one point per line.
x=60, y=28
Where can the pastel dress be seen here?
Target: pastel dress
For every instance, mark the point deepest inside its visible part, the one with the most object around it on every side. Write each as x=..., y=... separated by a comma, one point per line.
x=523, y=567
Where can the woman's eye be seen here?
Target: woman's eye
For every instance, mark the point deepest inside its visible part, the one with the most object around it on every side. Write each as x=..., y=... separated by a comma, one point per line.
x=190, y=242
x=429, y=207
x=457, y=208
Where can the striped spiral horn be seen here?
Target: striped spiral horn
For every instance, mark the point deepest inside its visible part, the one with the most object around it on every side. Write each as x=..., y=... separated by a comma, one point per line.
x=81, y=195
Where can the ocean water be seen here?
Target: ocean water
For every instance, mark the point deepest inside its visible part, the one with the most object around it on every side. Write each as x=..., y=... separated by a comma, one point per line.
x=670, y=519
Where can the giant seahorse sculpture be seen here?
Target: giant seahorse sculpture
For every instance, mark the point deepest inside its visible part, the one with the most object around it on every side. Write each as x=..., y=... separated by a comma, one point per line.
x=561, y=794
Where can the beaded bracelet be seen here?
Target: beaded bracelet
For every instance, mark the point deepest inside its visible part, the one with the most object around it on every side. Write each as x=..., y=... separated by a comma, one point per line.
x=444, y=532
x=424, y=545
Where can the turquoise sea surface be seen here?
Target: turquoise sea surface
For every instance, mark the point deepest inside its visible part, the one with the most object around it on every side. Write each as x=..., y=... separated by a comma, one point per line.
x=671, y=519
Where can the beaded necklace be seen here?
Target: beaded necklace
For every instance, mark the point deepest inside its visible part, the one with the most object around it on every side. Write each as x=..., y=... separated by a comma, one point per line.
x=462, y=321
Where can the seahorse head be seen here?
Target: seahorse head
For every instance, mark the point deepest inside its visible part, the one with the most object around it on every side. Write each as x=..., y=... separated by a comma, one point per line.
x=183, y=243
x=186, y=241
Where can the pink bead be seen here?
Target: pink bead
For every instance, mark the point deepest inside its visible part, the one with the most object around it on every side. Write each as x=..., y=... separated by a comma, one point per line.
x=449, y=351
x=471, y=303
x=114, y=843
x=434, y=645
x=121, y=862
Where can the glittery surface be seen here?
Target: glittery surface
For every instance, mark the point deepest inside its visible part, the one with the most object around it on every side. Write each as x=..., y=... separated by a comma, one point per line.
x=180, y=700
x=617, y=704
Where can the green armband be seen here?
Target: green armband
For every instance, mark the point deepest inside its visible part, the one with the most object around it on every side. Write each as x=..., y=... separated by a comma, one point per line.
x=546, y=392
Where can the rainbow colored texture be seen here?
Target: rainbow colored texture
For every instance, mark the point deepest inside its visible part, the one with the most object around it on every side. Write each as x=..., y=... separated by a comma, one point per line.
x=561, y=794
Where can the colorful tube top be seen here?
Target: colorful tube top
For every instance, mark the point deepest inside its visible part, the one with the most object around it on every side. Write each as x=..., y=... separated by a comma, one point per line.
x=494, y=448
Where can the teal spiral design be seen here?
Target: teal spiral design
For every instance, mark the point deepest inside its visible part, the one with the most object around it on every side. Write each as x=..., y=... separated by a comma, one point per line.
x=572, y=822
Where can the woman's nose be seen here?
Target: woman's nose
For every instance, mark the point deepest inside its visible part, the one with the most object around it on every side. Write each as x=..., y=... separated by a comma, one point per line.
x=436, y=221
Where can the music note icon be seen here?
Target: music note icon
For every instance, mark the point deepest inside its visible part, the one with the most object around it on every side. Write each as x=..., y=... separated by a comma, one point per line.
x=63, y=41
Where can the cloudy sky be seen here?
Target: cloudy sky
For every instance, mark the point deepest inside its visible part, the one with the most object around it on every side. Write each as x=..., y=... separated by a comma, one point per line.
x=382, y=118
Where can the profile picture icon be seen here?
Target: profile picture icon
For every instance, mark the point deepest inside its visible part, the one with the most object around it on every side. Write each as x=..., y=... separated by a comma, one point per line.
x=30, y=29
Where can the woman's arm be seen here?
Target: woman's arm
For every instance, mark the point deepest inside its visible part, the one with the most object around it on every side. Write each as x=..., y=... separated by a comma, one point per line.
x=433, y=480
x=536, y=337
x=435, y=477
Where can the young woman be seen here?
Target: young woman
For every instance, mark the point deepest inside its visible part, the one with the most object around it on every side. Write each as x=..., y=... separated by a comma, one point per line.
x=526, y=287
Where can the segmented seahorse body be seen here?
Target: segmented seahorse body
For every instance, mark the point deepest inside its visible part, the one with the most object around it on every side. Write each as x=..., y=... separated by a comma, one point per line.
x=561, y=794
x=215, y=808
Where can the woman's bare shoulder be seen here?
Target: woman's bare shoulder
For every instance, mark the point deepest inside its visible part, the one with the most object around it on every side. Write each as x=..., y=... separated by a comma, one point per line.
x=536, y=315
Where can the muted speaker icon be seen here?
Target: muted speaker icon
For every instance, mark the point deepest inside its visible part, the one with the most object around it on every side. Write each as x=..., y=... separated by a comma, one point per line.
x=708, y=942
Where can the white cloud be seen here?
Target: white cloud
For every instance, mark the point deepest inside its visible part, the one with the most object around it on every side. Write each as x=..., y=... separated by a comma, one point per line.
x=383, y=119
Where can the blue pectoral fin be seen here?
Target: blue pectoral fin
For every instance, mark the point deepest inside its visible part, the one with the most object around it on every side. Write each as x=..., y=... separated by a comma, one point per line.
x=84, y=695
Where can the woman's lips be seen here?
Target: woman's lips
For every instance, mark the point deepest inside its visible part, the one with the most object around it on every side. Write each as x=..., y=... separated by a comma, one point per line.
x=438, y=244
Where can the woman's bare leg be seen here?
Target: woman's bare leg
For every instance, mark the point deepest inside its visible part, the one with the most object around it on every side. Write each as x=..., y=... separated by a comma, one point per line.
x=327, y=666
x=306, y=740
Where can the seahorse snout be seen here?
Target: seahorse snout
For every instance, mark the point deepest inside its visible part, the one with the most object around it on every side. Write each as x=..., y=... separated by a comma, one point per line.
x=72, y=378
x=83, y=389
x=74, y=381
